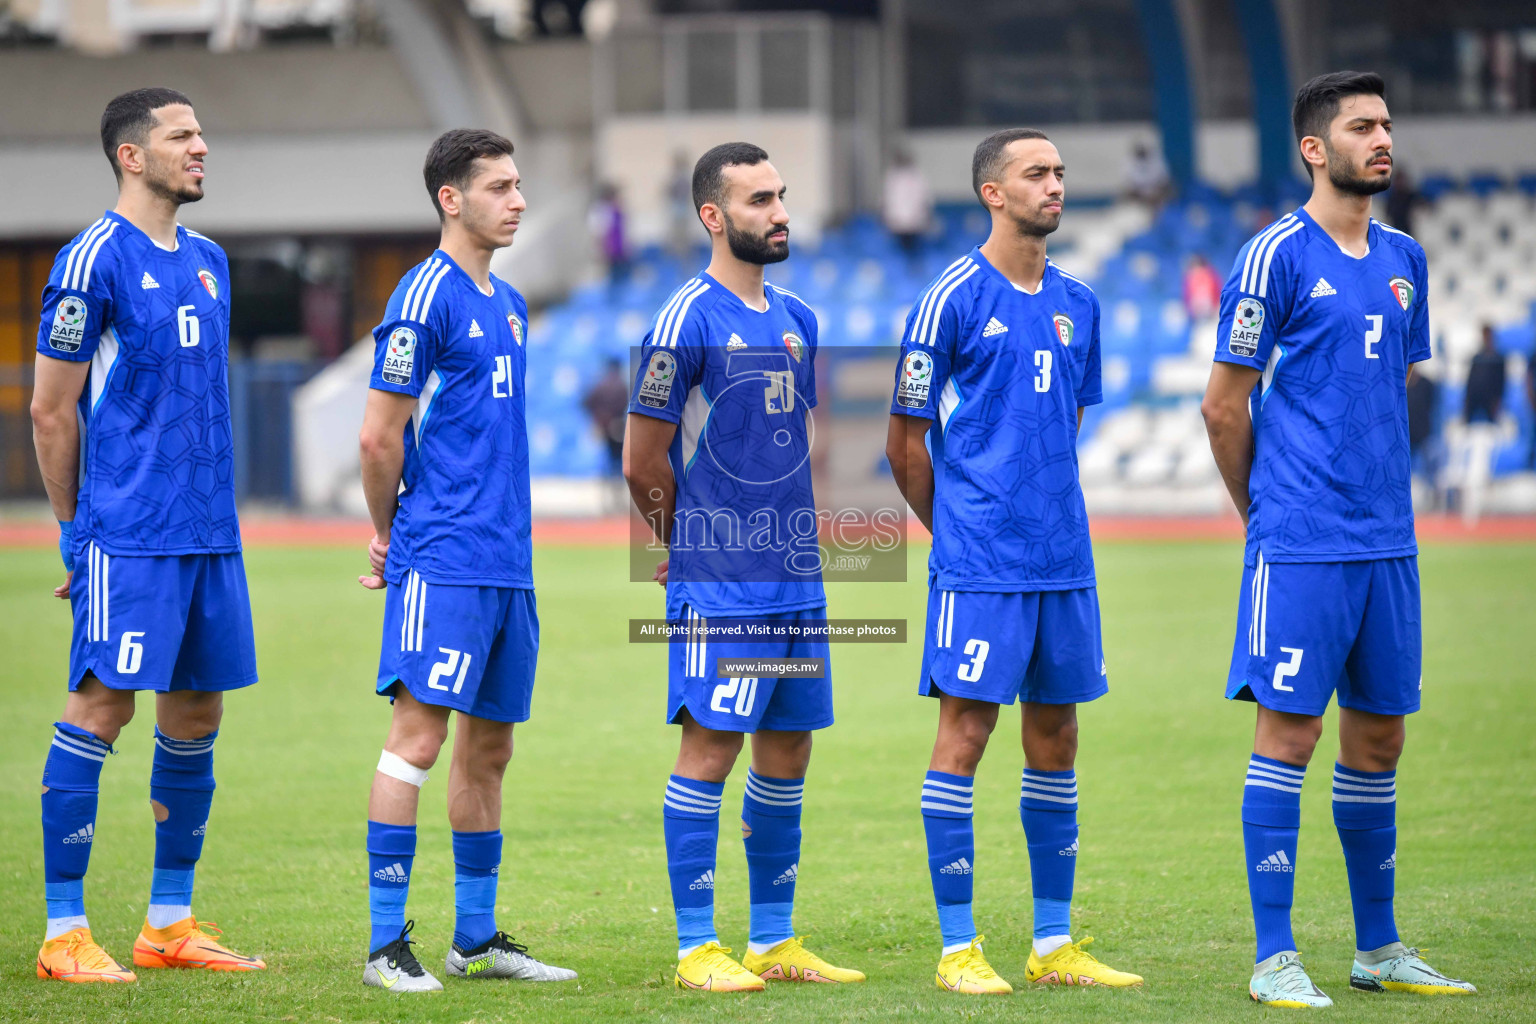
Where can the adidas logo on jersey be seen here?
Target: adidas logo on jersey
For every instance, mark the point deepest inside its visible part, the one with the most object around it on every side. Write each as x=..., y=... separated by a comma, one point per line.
x=735, y=343
x=788, y=876
x=1390, y=863
x=1070, y=851
x=956, y=867
x=1276, y=861
x=704, y=881
x=994, y=327
x=1323, y=288
x=393, y=873
x=201, y=830
x=148, y=281
x=474, y=329
x=85, y=835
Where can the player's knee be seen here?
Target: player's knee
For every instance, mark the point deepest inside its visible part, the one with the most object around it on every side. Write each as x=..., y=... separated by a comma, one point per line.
x=419, y=748
x=100, y=711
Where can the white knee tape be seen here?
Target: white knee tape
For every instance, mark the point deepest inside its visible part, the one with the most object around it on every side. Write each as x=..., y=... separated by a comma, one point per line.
x=397, y=767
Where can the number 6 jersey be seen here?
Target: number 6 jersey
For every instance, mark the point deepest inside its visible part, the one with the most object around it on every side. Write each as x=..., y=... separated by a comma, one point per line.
x=1334, y=336
x=156, y=453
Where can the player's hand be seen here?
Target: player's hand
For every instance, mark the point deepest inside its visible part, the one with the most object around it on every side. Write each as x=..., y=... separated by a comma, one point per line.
x=378, y=554
x=62, y=592
x=660, y=575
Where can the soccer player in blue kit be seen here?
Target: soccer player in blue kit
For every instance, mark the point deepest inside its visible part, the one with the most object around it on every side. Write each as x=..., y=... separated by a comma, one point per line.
x=132, y=430
x=999, y=357
x=716, y=454
x=1322, y=319
x=444, y=451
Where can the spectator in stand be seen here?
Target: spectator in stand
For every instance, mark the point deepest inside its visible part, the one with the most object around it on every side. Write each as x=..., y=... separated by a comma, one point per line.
x=1402, y=198
x=1146, y=178
x=682, y=221
x=1484, y=402
x=607, y=403
x=1530, y=403
x=605, y=222
x=1202, y=289
x=906, y=202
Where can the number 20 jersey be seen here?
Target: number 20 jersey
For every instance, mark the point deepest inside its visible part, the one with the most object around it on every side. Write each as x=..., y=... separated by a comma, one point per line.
x=464, y=515
x=1334, y=336
x=157, y=458
x=1004, y=373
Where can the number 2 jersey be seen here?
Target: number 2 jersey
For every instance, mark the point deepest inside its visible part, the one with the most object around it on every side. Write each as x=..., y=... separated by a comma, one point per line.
x=1334, y=336
x=157, y=460
x=464, y=514
x=1003, y=372
x=740, y=385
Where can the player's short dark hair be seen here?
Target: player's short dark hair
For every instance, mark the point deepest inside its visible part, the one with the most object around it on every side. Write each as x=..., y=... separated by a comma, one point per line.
x=129, y=118
x=991, y=156
x=1317, y=102
x=451, y=160
x=709, y=172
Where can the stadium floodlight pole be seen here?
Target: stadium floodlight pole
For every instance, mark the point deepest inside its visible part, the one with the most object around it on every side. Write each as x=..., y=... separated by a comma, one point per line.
x=453, y=552
x=1320, y=476
x=148, y=529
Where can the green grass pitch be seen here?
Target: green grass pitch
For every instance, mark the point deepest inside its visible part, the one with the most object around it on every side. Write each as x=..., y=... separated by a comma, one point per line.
x=1160, y=880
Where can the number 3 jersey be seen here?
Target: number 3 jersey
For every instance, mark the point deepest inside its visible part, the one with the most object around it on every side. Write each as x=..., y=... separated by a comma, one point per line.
x=1004, y=373
x=740, y=385
x=156, y=453
x=1334, y=336
x=464, y=504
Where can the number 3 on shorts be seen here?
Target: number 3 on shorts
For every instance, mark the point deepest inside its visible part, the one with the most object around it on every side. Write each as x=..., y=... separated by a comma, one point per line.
x=977, y=650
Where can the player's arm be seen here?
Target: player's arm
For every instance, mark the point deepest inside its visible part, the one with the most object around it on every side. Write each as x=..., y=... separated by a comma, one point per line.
x=647, y=440
x=381, y=450
x=56, y=390
x=907, y=452
x=1229, y=427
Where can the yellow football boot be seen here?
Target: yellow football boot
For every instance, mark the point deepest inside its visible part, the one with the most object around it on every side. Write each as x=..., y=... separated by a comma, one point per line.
x=709, y=969
x=790, y=961
x=1071, y=965
x=189, y=943
x=74, y=956
x=967, y=971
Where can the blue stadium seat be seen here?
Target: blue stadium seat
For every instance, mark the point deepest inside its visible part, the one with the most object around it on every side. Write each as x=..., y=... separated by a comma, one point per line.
x=1484, y=183
x=1436, y=185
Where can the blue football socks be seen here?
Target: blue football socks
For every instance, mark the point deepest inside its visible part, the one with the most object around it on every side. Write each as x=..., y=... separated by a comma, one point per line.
x=1271, y=824
x=476, y=862
x=1365, y=813
x=181, y=792
x=770, y=830
x=946, y=806
x=391, y=850
x=691, y=822
x=1048, y=811
x=71, y=780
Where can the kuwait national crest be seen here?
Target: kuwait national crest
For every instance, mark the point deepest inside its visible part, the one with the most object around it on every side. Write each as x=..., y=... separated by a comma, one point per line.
x=517, y=327
x=794, y=344
x=209, y=282
x=1402, y=291
x=1063, y=327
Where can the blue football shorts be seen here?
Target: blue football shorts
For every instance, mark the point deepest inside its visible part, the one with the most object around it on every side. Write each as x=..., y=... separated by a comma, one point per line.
x=1307, y=629
x=472, y=649
x=1043, y=646
x=748, y=704
x=161, y=622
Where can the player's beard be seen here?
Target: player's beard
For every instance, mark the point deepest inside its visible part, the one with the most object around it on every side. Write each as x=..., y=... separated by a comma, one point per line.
x=160, y=179
x=1344, y=177
x=755, y=248
x=1037, y=223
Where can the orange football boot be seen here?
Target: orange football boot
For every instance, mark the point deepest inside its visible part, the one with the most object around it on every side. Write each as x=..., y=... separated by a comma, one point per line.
x=189, y=943
x=74, y=956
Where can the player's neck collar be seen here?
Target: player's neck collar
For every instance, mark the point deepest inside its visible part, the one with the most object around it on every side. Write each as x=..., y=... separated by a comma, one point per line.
x=767, y=293
x=1370, y=227
x=987, y=268
x=134, y=227
x=472, y=282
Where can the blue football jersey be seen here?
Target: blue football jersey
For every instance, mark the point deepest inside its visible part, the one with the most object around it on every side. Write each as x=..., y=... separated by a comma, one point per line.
x=464, y=513
x=1004, y=372
x=157, y=460
x=1334, y=336
x=740, y=385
